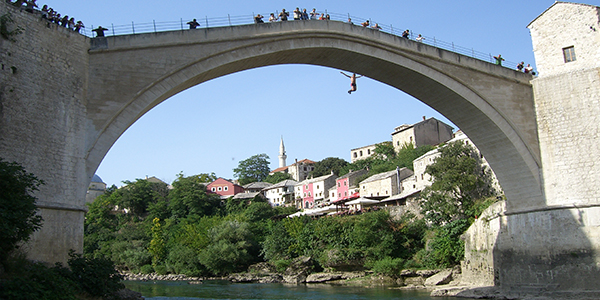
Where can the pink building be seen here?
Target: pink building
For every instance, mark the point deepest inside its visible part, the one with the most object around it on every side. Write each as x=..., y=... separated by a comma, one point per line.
x=314, y=190
x=308, y=201
x=224, y=188
x=347, y=185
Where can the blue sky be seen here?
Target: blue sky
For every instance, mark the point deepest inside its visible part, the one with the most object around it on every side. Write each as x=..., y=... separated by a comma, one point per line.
x=211, y=127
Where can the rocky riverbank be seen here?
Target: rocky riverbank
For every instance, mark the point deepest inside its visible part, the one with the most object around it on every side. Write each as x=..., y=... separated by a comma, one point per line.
x=301, y=271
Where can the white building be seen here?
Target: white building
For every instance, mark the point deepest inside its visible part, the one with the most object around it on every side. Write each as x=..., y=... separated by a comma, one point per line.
x=280, y=193
x=383, y=185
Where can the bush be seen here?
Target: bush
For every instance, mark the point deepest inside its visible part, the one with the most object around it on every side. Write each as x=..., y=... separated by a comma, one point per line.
x=85, y=277
x=228, y=250
x=389, y=266
x=146, y=269
x=445, y=248
x=281, y=265
x=36, y=281
x=95, y=276
x=18, y=211
x=183, y=260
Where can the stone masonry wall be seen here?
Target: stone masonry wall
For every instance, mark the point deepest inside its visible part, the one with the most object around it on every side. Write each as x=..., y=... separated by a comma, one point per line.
x=567, y=95
x=565, y=25
x=43, y=75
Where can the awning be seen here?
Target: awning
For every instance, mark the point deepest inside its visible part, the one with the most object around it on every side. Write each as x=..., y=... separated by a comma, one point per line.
x=362, y=201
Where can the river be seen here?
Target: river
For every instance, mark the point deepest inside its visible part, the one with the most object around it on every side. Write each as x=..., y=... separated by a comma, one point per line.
x=220, y=289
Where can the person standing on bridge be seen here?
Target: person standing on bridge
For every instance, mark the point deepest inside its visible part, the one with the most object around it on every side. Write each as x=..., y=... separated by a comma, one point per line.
x=272, y=18
x=499, y=59
x=193, y=24
x=352, y=81
x=314, y=15
x=100, y=31
x=283, y=15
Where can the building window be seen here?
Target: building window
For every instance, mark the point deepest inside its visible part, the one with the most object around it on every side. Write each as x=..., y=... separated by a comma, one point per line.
x=309, y=194
x=213, y=189
x=355, y=155
x=340, y=195
x=345, y=183
x=369, y=151
x=569, y=54
x=304, y=195
x=345, y=194
x=317, y=186
x=225, y=188
x=360, y=152
x=339, y=184
x=219, y=189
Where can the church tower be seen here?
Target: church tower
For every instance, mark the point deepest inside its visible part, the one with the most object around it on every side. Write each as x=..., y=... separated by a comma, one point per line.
x=282, y=155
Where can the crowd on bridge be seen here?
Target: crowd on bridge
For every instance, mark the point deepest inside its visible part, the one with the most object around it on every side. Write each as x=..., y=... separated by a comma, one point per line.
x=48, y=13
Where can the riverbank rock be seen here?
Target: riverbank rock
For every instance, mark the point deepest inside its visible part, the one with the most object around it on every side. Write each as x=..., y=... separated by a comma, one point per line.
x=298, y=270
x=443, y=277
x=157, y=277
x=333, y=276
x=262, y=267
x=255, y=277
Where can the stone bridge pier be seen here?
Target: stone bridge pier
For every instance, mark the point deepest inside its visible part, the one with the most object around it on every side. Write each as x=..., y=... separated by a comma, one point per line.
x=62, y=109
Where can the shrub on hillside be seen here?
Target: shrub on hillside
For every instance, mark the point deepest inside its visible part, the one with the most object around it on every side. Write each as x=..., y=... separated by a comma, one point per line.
x=18, y=211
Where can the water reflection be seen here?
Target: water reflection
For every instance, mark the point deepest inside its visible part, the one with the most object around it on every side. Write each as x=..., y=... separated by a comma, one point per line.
x=216, y=289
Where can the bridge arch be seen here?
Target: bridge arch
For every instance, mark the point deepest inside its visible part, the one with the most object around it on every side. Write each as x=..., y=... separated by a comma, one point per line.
x=492, y=105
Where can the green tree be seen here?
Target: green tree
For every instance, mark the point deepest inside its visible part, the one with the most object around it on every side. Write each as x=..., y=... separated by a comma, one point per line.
x=277, y=177
x=189, y=197
x=385, y=150
x=328, y=165
x=460, y=182
x=157, y=245
x=17, y=206
x=253, y=169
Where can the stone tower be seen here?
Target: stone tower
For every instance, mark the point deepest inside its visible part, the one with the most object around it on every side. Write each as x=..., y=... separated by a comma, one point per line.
x=282, y=155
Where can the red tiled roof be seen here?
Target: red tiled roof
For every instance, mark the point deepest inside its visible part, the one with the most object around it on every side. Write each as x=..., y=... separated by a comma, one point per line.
x=279, y=170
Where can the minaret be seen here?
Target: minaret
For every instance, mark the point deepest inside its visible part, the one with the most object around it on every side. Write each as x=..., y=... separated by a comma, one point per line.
x=282, y=155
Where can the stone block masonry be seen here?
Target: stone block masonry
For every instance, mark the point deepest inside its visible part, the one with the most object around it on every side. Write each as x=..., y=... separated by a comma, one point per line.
x=43, y=79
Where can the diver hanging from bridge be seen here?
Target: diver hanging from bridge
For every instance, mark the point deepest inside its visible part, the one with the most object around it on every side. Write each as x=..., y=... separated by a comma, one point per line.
x=352, y=81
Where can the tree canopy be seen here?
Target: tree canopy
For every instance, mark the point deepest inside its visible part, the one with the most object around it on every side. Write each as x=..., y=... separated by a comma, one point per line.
x=277, y=177
x=253, y=169
x=328, y=165
x=460, y=182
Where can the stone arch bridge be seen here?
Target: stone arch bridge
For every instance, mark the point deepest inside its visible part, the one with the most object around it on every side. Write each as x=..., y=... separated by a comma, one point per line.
x=62, y=108
x=131, y=74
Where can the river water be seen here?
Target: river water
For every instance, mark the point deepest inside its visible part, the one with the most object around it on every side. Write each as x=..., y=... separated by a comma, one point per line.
x=220, y=289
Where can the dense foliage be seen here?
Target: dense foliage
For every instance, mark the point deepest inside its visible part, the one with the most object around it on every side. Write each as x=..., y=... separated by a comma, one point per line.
x=328, y=165
x=17, y=207
x=237, y=233
x=461, y=190
x=386, y=159
x=83, y=278
x=277, y=177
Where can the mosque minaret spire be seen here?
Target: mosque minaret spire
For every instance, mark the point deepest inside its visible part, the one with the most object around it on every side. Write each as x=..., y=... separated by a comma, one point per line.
x=282, y=155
